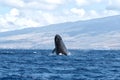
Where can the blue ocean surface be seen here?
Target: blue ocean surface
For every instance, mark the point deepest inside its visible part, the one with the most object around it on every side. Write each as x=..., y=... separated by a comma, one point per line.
x=43, y=65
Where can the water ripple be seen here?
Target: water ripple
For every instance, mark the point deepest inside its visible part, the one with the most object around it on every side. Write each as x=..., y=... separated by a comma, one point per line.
x=41, y=65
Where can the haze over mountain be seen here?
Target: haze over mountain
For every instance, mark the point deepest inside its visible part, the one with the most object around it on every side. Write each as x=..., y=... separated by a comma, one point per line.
x=101, y=33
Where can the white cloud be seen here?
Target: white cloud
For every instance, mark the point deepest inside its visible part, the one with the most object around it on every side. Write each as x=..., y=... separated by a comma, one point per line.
x=110, y=12
x=36, y=4
x=26, y=22
x=40, y=5
x=55, y=18
x=80, y=12
x=105, y=13
x=82, y=2
x=98, y=1
x=35, y=13
x=15, y=3
x=114, y=5
x=49, y=18
x=13, y=20
x=14, y=12
x=87, y=2
x=54, y=1
x=94, y=13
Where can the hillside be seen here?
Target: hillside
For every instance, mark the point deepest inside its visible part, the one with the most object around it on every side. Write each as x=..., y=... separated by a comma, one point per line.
x=101, y=33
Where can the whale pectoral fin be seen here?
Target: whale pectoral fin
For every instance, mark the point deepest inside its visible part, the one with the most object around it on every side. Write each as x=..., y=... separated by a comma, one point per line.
x=54, y=50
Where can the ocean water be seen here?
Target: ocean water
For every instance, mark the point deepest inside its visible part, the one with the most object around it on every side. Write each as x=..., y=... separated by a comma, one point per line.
x=43, y=65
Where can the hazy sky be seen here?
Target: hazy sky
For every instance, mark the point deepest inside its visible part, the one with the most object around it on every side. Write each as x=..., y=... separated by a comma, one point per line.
x=17, y=14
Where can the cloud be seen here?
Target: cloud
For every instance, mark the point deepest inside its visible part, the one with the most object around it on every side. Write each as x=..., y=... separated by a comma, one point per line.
x=13, y=20
x=36, y=13
x=113, y=5
x=14, y=12
x=55, y=1
x=40, y=5
x=36, y=4
x=110, y=12
x=49, y=18
x=82, y=2
x=80, y=12
x=105, y=13
x=87, y=2
x=14, y=3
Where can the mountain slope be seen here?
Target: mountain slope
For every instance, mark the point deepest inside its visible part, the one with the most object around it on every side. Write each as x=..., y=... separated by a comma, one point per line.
x=102, y=33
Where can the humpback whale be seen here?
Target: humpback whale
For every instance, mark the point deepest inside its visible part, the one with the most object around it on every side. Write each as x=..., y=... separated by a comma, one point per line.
x=60, y=47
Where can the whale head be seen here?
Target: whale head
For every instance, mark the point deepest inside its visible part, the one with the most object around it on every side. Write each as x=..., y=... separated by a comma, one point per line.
x=57, y=38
